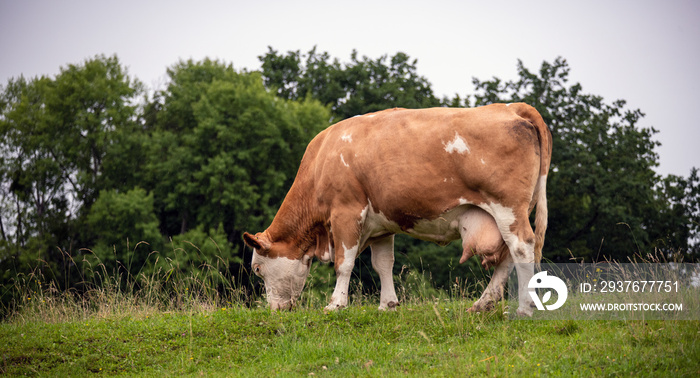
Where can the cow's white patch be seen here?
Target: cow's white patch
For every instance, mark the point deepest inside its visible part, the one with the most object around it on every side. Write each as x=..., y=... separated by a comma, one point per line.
x=371, y=115
x=339, y=298
x=458, y=144
x=349, y=259
x=464, y=201
x=284, y=279
x=342, y=159
x=363, y=213
x=330, y=244
x=482, y=161
x=504, y=217
x=346, y=138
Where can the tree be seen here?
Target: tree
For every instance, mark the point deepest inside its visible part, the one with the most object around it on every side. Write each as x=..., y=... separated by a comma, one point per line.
x=55, y=137
x=125, y=229
x=358, y=87
x=32, y=181
x=224, y=149
x=683, y=198
x=89, y=105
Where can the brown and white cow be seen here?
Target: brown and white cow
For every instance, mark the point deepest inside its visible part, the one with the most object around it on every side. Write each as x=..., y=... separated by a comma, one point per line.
x=436, y=174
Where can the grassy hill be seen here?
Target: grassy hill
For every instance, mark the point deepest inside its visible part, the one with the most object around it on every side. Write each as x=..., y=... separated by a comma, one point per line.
x=434, y=337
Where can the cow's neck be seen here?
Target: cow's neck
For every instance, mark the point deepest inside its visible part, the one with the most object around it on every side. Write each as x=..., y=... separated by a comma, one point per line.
x=296, y=222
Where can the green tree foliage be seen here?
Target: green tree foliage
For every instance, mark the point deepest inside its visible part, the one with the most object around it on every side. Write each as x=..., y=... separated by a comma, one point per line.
x=224, y=150
x=125, y=229
x=90, y=108
x=55, y=139
x=33, y=191
x=682, y=213
x=358, y=87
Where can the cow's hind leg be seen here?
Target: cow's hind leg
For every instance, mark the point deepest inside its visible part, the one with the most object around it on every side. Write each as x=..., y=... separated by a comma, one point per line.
x=523, y=254
x=494, y=291
x=383, y=263
x=515, y=228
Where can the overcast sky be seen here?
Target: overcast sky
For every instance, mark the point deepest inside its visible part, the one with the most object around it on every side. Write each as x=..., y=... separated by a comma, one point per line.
x=646, y=52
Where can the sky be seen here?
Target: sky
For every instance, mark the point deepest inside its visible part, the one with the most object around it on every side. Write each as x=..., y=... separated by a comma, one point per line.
x=645, y=52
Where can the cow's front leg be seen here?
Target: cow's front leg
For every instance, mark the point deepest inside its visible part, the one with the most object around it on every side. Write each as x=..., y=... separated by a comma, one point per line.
x=344, y=263
x=346, y=223
x=383, y=263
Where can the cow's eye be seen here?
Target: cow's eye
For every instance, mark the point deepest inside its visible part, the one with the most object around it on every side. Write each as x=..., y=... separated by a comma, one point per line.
x=256, y=270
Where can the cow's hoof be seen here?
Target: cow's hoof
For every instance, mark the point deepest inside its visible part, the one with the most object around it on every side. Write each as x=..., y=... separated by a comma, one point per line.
x=527, y=312
x=480, y=307
x=391, y=306
x=333, y=307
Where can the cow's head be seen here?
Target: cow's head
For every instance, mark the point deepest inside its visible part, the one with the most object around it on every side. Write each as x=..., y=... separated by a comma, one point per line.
x=283, y=267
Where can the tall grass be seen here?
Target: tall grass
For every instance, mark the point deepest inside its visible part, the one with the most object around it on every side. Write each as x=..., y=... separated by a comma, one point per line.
x=162, y=284
x=101, y=291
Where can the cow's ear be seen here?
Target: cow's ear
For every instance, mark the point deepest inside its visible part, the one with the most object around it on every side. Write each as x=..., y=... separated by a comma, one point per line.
x=255, y=241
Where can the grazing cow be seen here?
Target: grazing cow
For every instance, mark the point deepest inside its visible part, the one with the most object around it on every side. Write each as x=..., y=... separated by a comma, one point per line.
x=436, y=174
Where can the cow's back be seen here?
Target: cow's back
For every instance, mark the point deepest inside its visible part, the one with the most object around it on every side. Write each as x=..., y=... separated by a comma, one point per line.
x=420, y=163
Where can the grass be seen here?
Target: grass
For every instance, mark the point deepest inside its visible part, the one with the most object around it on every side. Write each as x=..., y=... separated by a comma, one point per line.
x=150, y=328
x=438, y=338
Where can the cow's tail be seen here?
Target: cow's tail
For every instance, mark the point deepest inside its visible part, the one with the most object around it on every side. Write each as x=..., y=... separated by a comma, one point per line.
x=540, y=194
x=540, y=216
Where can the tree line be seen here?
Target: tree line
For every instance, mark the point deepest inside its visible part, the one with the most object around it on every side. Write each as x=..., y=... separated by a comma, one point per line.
x=98, y=169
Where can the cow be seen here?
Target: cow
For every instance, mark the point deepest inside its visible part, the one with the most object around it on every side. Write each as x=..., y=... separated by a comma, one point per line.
x=436, y=174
